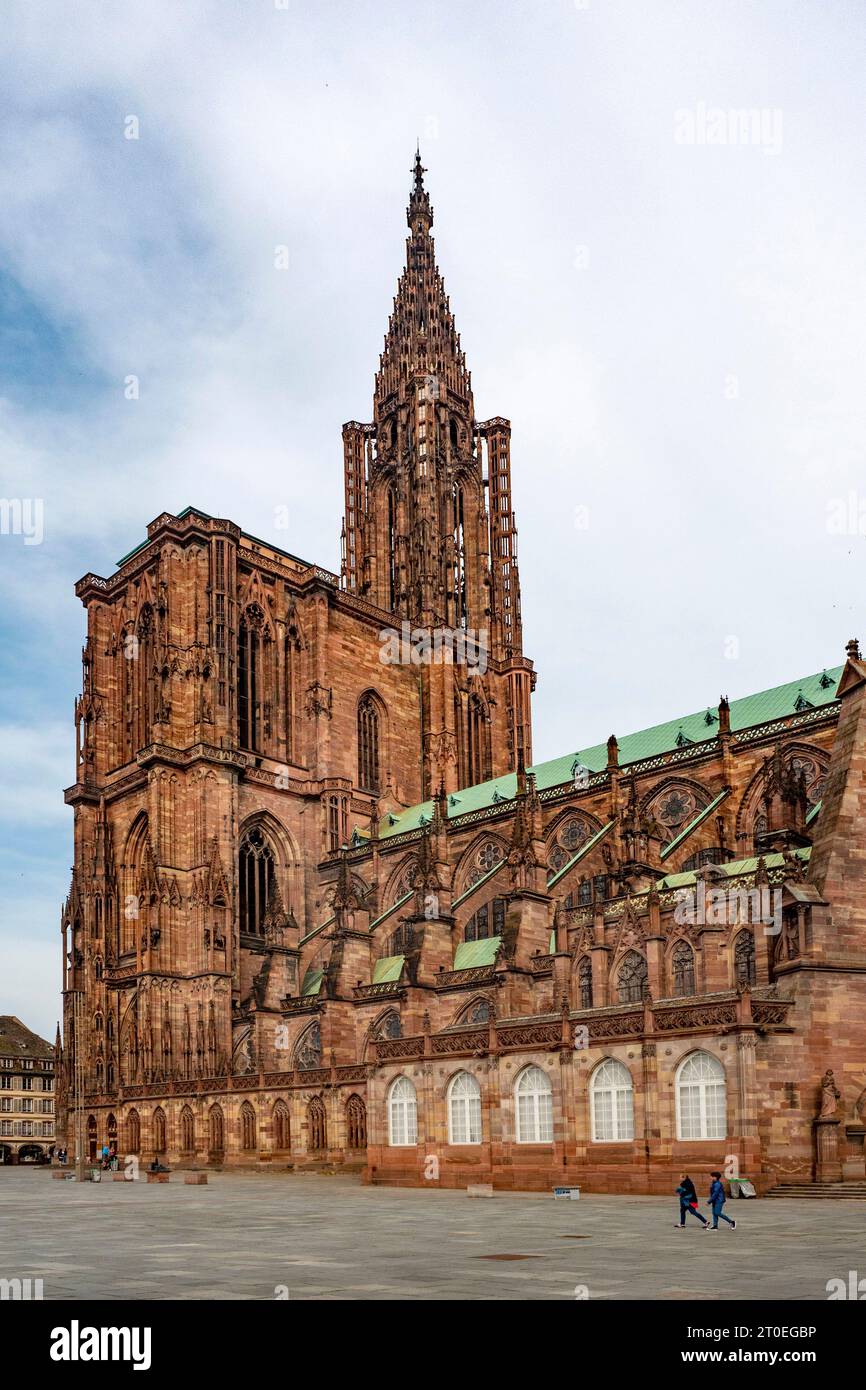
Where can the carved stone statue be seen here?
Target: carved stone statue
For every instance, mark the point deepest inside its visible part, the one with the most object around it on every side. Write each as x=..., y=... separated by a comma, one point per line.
x=830, y=1097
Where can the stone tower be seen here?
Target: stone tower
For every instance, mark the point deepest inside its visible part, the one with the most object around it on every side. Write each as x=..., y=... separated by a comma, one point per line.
x=429, y=532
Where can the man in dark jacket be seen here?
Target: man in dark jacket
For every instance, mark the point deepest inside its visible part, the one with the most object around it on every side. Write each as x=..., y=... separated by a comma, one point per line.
x=689, y=1200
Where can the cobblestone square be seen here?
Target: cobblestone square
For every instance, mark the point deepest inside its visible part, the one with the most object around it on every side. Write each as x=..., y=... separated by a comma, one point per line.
x=279, y=1235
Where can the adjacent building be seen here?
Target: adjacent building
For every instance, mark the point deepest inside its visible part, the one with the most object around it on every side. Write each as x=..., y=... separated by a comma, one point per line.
x=326, y=910
x=26, y=1093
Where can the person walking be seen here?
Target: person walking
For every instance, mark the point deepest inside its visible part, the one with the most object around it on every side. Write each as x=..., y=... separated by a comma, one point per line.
x=689, y=1201
x=717, y=1201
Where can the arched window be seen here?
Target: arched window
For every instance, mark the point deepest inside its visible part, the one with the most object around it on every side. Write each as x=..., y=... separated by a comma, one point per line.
x=402, y=1114
x=356, y=1123
x=292, y=664
x=392, y=539
x=256, y=879
x=389, y=1026
x=216, y=1130
x=584, y=982
x=317, y=1135
x=248, y=1127
x=159, y=1144
x=701, y=1098
x=683, y=969
x=478, y=1012
x=464, y=1109
x=401, y=940
x=611, y=1098
x=282, y=1128
x=744, y=959
x=631, y=978
x=489, y=920
x=308, y=1052
x=477, y=743
x=250, y=678
x=368, y=745
x=534, y=1107
x=141, y=679
x=133, y=1132
x=338, y=822
x=458, y=580
x=187, y=1130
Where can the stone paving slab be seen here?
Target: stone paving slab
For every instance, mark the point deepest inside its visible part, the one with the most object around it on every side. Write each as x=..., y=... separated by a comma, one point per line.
x=246, y=1234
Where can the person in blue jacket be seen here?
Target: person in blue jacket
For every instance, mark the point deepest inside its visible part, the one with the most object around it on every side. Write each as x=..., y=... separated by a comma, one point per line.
x=717, y=1201
x=689, y=1201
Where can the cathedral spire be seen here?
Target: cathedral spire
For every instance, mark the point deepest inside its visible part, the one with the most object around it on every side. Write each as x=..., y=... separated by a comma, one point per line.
x=419, y=213
x=429, y=533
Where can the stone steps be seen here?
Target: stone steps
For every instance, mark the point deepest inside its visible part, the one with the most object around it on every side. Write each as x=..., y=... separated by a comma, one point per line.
x=838, y=1191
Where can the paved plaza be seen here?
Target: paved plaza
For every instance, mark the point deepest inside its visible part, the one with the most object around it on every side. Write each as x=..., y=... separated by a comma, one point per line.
x=267, y=1235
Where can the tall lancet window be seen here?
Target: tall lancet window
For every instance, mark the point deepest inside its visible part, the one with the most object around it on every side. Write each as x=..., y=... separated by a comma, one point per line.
x=459, y=577
x=249, y=678
x=293, y=652
x=368, y=745
x=392, y=549
x=138, y=653
x=256, y=879
x=477, y=751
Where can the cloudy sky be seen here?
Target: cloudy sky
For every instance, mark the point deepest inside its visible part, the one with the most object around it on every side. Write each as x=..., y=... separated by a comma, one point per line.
x=650, y=221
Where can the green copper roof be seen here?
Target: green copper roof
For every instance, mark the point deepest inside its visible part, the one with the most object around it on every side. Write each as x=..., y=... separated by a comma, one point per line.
x=470, y=954
x=778, y=703
x=693, y=824
x=312, y=982
x=731, y=870
x=387, y=969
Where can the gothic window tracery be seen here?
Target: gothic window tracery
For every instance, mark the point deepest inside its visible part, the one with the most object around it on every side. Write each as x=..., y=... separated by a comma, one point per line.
x=256, y=880
x=356, y=1123
x=187, y=1130
x=250, y=678
x=389, y=1026
x=478, y=1012
x=584, y=982
x=368, y=745
x=744, y=959
x=308, y=1053
x=248, y=1127
x=216, y=1130
x=631, y=978
x=683, y=969
x=159, y=1143
x=486, y=857
x=282, y=1132
x=489, y=920
x=317, y=1136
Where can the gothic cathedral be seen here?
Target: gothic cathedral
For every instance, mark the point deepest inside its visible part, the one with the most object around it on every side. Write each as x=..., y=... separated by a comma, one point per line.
x=325, y=910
